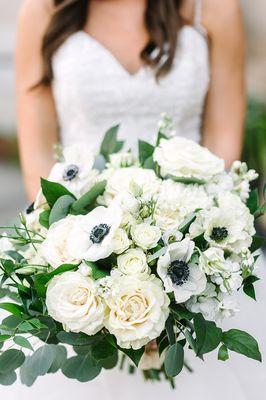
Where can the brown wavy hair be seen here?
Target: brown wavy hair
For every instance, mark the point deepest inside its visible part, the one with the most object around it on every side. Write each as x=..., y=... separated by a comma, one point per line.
x=162, y=21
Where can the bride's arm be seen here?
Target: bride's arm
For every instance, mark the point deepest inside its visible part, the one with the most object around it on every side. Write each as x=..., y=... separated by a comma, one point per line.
x=225, y=106
x=37, y=124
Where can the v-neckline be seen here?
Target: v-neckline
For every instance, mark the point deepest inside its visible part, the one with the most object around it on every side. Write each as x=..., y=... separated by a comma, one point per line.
x=111, y=55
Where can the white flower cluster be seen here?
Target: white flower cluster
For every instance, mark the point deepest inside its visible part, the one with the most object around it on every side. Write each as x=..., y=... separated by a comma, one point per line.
x=180, y=232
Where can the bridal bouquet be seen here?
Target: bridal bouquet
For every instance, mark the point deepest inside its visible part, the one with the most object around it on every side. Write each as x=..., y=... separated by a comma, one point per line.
x=128, y=261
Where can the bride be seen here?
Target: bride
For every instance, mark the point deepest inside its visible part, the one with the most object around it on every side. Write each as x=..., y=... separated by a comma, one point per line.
x=84, y=65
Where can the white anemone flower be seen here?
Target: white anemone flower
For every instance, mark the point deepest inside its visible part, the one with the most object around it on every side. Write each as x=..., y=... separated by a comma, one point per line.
x=93, y=237
x=76, y=171
x=179, y=273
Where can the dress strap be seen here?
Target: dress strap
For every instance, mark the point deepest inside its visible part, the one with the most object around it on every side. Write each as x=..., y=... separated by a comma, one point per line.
x=198, y=16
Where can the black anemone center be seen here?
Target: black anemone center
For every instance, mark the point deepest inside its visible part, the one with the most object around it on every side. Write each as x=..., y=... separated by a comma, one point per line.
x=178, y=272
x=70, y=172
x=219, y=233
x=30, y=209
x=99, y=232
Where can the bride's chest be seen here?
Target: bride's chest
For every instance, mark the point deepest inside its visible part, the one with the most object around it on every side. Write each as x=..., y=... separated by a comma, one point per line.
x=88, y=77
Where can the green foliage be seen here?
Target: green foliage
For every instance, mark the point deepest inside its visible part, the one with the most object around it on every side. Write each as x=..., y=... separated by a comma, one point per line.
x=97, y=272
x=146, y=151
x=242, y=343
x=253, y=202
x=208, y=335
x=87, y=202
x=78, y=339
x=52, y=191
x=81, y=367
x=110, y=144
x=8, y=378
x=14, y=309
x=185, y=180
x=10, y=360
x=44, y=218
x=41, y=360
x=60, y=356
x=223, y=353
x=174, y=360
x=23, y=342
x=61, y=208
x=248, y=286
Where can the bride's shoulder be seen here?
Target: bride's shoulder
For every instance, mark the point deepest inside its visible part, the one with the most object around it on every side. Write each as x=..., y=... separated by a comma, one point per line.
x=36, y=12
x=217, y=14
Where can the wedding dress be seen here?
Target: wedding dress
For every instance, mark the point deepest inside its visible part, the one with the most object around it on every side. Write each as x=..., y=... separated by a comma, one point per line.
x=93, y=91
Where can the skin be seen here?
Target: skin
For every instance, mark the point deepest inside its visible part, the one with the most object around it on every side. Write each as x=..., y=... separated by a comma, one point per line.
x=125, y=35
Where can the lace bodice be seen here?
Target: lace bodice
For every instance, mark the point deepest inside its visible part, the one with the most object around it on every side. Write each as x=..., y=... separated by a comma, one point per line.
x=93, y=91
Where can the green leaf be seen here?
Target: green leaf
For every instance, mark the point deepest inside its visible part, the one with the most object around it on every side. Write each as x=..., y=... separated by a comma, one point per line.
x=159, y=137
x=11, y=360
x=12, y=308
x=110, y=144
x=23, y=342
x=78, y=339
x=181, y=312
x=208, y=335
x=87, y=201
x=174, y=360
x=242, y=343
x=104, y=349
x=134, y=355
x=60, y=209
x=27, y=376
x=248, y=286
x=53, y=190
x=149, y=163
x=264, y=191
x=82, y=368
x=8, y=378
x=186, y=180
x=109, y=362
x=253, y=202
x=184, y=227
x=3, y=338
x=257, y=243
x=60, y=356
x=44, y=218
x=191, y=341
x=145, y=151
x=223, y=353
x=169, y=326
x=15, y=256
x=41, y=361
x=97, y=273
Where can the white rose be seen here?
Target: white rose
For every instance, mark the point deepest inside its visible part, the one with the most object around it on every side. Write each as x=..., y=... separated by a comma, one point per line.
x=127, y=179
x=179, y=274
x=181, y=157
x=55, y=248
x=145, y=235
x=133, y=262
x=72, y=299
x=93, y=237
x=138, y=310
x=121, y=241
x=76, y=171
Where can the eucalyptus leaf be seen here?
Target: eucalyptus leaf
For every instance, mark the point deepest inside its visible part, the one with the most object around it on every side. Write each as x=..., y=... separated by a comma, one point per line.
x=4, y=338
x=53, y=190
x=174, y=360
x=27, y=376
x=82, y=368
x=61, y=208
x=41, y=360
x=23, y=342
x=242, y=343
x=86, y=202
x=77, y=339
x=60, y=356
x=8, y=378
x=10, y=360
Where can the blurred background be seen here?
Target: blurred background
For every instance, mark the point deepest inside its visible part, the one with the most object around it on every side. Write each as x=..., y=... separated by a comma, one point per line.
x=11, y=187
